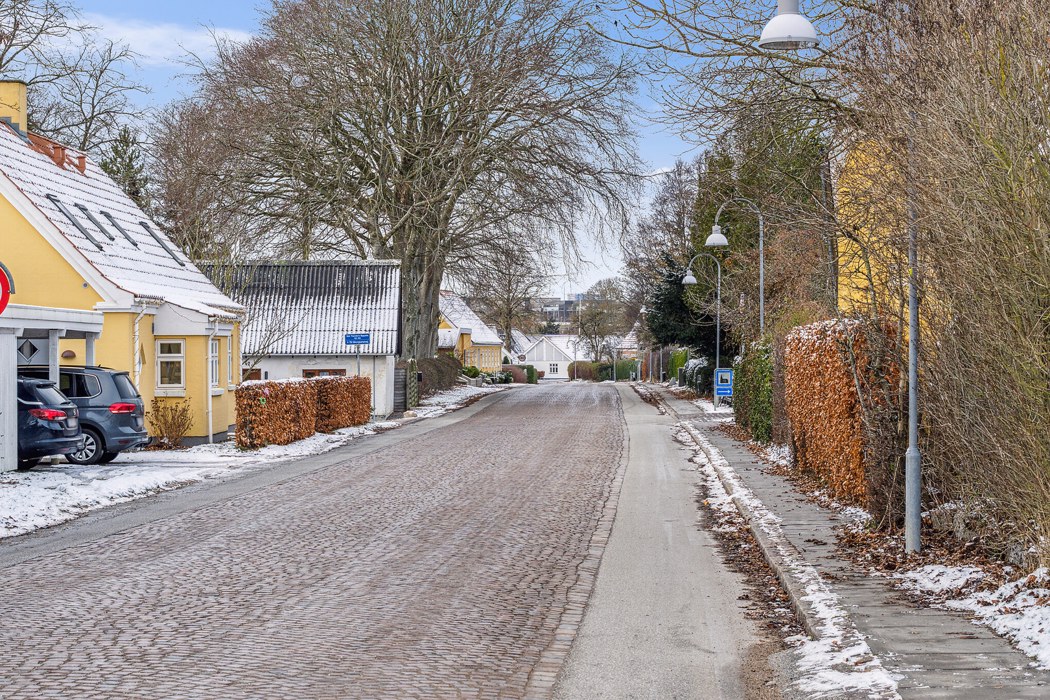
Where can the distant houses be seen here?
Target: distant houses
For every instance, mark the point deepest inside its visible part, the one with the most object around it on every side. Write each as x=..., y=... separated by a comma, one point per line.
x=300, y=314
x=464, y=335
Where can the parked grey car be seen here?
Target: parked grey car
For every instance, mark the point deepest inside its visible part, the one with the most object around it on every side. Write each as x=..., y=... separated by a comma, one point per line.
x=111, y=410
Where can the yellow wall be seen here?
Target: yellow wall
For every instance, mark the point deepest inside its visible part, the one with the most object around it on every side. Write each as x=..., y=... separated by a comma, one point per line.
x=44, y=278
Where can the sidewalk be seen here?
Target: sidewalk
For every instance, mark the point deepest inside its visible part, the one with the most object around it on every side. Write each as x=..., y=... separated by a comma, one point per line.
x=931, y=653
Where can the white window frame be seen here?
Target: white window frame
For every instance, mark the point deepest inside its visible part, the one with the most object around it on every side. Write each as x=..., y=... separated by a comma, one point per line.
x=179, y=357
x=552, y=367
x=229, y=361
x=213, y=362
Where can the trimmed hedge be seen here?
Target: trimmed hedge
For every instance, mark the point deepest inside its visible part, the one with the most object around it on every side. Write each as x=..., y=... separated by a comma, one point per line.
x=624, y=368
x=583, y=369
x=822, y=404
x=439, y=373
x=753, y=392
x=517, y=373
x=531, y=375
x=282, y=412
x=343, y=402
x=679, y=359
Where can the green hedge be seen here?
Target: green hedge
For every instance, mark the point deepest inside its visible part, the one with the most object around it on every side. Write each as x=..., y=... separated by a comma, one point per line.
x=753, y=392
x=677, y=361
x=623, y=370
x=531, y=375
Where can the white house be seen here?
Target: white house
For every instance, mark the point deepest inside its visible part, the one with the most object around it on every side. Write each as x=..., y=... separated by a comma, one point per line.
x=552, y=354
x=300, y=315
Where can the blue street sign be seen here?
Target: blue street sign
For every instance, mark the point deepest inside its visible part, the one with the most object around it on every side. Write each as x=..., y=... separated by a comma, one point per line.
x=358, y=338
x=723, y=382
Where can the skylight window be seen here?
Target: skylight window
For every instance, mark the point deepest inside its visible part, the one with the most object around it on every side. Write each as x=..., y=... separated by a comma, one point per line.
x=69, y=215
x=123, y=232
x=162, y=243
x=91, y=217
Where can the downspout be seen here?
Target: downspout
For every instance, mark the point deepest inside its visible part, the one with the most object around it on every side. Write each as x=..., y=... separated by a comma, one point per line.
x=208, y=378
x=135, y=350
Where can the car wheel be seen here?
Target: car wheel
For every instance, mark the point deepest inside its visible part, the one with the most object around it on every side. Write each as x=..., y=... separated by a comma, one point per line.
x=25, y=464
x=107, y=457
x=92, y=451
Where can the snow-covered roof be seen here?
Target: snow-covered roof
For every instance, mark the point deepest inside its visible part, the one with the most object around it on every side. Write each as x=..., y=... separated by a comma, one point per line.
x=461, y=316
x=447, y=338
x=569, y=344
x=106, y=227
x=308, y=308
x=519, y=342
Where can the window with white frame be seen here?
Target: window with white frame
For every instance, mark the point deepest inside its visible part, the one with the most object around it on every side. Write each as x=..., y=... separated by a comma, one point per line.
x=213, y=362
x=229, y=361
x=553, y=367
x=171, y=364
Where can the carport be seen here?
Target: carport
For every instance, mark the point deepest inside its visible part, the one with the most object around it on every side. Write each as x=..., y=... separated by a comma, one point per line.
x=25, y=332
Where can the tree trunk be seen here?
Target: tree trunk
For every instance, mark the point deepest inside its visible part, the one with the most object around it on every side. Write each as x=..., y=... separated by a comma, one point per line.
x=420, y=290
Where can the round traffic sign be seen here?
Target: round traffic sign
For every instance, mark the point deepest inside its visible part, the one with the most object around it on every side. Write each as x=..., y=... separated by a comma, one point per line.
x=7, y=286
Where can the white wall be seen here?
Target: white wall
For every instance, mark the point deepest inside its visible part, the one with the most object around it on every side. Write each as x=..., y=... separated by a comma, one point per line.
x=8, y=401
x=378, y=368
x=543, y=355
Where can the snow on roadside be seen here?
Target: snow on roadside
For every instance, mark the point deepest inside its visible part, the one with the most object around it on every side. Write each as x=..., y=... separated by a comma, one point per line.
x=1018, y=610
x=838, y=660
x=450, y=400
x=49, y=495
x=724, y=412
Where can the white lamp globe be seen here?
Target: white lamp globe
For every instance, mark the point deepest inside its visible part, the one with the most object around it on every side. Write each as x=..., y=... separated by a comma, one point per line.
x=789, y=30
x=688, y=279
x=716, y=239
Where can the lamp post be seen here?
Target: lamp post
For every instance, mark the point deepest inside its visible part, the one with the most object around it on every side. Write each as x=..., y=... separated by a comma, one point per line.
x=718, y=240
x=689, y=280
x=789, y=30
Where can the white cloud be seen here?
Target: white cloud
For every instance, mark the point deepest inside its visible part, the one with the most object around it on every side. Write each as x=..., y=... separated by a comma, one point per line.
x=164, y=43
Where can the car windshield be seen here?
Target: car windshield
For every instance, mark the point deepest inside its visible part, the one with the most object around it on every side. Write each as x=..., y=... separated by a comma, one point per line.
x=49, y=395
x=124, y=387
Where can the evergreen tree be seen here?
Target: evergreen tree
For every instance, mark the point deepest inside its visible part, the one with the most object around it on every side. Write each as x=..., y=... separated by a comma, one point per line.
x=124, y=161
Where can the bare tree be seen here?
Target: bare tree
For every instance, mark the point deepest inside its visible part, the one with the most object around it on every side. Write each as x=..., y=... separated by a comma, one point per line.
x=602, y=318
x=80, y=93
x=413, y=129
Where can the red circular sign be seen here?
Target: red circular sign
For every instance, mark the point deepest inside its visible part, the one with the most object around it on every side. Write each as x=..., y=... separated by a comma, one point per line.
x=5, y=288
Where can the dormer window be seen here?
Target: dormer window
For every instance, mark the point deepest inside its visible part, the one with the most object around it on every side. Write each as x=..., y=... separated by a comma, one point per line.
x=162, y=243
x=76, y=222
x=91, y=217
x=123, y=231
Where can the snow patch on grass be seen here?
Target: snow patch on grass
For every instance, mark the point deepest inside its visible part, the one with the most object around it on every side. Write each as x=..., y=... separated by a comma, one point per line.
x=450, y=400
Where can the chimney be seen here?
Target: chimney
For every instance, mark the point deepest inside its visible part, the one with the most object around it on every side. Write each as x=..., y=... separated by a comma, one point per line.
x=13, y=104
x=81, y=163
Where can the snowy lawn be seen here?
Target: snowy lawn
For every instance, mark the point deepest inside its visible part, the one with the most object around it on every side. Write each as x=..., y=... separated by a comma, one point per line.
x=48, y=495
x=1018, y=610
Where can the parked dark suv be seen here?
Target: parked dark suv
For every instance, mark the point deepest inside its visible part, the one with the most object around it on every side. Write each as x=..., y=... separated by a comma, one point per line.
x=111, y=410
x=47, y=423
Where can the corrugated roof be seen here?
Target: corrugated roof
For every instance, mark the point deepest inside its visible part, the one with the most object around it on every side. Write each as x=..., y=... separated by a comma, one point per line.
x=307, y=308
x=458, y=314
x=124, y=251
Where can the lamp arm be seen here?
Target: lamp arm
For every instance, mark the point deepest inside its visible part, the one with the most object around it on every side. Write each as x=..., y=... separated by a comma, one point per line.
x=743, y=200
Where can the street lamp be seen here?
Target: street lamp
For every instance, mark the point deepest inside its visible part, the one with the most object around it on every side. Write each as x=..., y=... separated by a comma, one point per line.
x=716, y=239
x=789, y=30
x=689, y=280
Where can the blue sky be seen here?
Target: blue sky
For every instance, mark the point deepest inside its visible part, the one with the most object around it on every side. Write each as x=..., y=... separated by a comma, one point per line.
x=162, y=33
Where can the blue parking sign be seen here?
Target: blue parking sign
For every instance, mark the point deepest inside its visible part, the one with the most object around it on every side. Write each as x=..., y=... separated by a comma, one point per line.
x=723, y=382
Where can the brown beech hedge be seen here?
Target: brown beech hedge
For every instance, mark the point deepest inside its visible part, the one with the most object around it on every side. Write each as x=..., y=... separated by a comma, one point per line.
x=822, y=404
x=281, y=412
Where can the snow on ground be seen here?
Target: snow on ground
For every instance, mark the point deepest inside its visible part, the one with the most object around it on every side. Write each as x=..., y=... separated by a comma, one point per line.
x=838, y=661
x=723, y=410
x=450, y=400
x=48, y=495
x=1018, y=610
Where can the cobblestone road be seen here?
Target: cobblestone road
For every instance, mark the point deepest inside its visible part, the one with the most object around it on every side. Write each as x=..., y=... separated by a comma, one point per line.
x=439, y=567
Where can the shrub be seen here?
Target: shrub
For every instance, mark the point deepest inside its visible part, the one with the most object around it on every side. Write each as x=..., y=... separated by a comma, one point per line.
x=169, y=422
x=343, y=402
x=517, y=374
x=531, y=376
x=679, y=358
x=276, y=412
x=472, y=372
x=439, y=373
x=624, y=368
x=583, y=369
x=753, y=392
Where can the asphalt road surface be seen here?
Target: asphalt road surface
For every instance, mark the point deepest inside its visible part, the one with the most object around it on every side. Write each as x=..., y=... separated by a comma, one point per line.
x=449, y=560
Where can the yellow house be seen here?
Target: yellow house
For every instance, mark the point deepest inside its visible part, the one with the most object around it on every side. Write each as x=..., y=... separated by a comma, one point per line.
x=466, y=336
x=74, y=240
